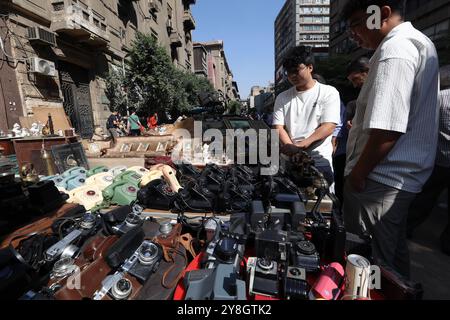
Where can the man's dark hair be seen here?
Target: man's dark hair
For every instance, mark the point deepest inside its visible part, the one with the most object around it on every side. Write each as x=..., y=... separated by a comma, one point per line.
x=297, y=56
x=358, y=65
x=131, y=110
x=353, y=6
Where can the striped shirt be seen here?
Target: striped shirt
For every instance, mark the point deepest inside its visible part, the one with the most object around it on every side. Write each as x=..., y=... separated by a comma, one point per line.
x=443, y=154
x=400, y=95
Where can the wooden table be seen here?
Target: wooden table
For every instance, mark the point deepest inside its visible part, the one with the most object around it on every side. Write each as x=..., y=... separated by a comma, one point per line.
x=8, y=145
x=28, y=150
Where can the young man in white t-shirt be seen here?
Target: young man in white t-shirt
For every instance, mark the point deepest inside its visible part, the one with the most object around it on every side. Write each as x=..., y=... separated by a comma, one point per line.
x=307, y=114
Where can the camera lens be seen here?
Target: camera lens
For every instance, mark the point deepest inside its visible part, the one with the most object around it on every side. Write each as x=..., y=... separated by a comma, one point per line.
x=166, y=227
x=148, y=253
x=88, y=221
x=305, y=247
x=122, y=289
x=265, y=264
x=63, y=267
x=132, y=219
x=295, y=271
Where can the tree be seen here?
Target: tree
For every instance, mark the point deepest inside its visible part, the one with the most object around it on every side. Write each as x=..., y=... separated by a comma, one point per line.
x=150, y=81
x=114, y=91
x=153, y=84
x=234, y=107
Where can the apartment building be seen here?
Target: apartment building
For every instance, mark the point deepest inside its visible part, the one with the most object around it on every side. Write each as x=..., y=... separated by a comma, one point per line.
x=301, y=22
x=211, y=62
x=57, y=52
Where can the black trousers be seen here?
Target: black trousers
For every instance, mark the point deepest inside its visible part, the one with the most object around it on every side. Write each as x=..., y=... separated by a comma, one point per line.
x=339, y=167
x=135, y=132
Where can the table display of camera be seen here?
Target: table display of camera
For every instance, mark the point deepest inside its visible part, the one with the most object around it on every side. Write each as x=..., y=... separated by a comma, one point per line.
x=234, y=234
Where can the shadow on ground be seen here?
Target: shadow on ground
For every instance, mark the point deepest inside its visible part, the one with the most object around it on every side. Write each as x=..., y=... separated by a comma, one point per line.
x=429, y=265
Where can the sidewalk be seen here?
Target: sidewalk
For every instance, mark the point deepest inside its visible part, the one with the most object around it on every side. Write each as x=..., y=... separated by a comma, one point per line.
x=429, y=265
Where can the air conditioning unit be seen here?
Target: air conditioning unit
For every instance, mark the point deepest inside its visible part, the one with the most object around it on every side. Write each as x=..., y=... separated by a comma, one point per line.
x=43, y=67
x=38, y=34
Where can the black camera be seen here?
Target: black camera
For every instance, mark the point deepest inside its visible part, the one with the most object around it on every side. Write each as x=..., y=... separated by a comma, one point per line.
x=132, y=221
x=295, y=286
x=227, y=250
x=264, y=279
x=148, y=257
x=304, y=255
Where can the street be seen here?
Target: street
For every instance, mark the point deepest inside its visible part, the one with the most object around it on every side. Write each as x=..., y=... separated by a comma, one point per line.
x=429, y=265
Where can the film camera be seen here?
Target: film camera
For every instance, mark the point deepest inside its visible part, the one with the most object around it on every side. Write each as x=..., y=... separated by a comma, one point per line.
x=135, y=260
x=220, y=277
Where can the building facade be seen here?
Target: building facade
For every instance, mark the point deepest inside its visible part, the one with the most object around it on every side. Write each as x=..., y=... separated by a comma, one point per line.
x=210, y=61
x=301, y=22
x=261, y=98
x=58, y=52
x=432, y=17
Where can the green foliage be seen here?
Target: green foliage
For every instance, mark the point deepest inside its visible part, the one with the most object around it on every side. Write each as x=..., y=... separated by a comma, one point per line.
x=153, y=84
x=114, y=91
x=234, y=107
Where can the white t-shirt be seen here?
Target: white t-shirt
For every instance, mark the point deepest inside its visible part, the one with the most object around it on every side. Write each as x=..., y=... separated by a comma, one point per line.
x=401, y=95
x=302, y=112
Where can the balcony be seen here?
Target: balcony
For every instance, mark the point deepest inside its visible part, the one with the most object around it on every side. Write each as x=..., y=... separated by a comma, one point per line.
x=189, y=2
x=188, y=20
x=175, y=39
x=82, y=24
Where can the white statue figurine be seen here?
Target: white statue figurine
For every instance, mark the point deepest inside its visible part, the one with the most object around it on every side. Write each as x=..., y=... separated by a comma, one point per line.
x=35, y=131
x=25, y=132
x=16, y=130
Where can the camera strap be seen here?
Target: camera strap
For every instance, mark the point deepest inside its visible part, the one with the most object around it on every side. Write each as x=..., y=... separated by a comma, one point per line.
x=16, y=253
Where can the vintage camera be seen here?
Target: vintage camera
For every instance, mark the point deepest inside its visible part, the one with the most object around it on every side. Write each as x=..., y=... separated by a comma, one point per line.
x=143, y=262
x=295, y=286
x=226, y=250
x=132, y=220
x=304, y=255
x=146, y=260
x=75, y=233
x=264, y=278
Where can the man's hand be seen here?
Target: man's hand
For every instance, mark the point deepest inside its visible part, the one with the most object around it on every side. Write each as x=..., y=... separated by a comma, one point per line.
x=357, y=181
x=303, y=144
x=335, y=143
x=349, y=124
x=290, y=149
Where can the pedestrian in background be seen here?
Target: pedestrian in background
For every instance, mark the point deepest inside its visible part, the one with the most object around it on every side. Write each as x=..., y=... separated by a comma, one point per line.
x=357, y=72
x=112, y=125
x=440, y=178
x=393, y=140
x=152, y=121
x=134, y=124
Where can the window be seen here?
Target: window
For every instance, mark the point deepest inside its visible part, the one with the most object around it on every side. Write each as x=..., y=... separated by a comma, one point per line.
x=126, y=12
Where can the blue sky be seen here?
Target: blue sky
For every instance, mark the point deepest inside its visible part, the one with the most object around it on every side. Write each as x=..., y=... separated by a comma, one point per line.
x=246, y=27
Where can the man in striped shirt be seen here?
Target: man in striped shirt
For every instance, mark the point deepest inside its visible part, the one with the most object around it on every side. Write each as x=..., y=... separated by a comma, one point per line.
x=440, y=179
x=392, y=144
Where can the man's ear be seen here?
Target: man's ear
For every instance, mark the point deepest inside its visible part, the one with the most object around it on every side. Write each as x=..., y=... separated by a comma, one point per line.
x=310, y=67
x=386, y=13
